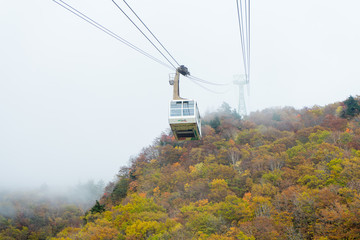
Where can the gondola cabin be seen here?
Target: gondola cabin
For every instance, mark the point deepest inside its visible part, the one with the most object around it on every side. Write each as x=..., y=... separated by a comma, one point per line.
x=184, y=120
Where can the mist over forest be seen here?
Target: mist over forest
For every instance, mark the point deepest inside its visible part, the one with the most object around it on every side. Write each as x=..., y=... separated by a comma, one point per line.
x=279, y=173
x=82, y=195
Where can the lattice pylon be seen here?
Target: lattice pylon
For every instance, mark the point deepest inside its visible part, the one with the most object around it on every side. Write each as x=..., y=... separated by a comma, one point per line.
x=241, y=81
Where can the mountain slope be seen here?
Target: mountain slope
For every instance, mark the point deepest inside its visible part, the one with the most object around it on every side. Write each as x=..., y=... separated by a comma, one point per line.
x=279, y=174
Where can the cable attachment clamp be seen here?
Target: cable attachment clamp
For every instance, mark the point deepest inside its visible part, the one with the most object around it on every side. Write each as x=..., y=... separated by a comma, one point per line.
x=183, y=70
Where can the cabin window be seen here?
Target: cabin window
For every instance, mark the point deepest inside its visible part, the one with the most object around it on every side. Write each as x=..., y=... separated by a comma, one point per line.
x=188, y=108
x=182, y=108
x=175, y=109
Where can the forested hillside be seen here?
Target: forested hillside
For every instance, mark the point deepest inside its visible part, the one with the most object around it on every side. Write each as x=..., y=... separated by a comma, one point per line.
x=279, y=173
x=42, y=213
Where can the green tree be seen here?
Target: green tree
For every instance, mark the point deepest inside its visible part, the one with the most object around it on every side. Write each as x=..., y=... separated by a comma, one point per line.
x=352, y=108
x=120, y=189
x=97, y=208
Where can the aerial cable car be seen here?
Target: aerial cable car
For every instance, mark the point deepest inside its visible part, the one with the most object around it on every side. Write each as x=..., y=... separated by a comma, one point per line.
x=184, y=116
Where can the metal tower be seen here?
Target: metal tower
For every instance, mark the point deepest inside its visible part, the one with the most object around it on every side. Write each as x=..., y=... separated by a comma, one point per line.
x=241, y=81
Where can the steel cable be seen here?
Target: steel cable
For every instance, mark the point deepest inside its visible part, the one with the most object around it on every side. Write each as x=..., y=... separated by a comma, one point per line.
x=207, y=82
x=248, y=78
x=151, y=32
x=143, y=34
x=208, y=89
x=107, y=31
x=243, y=12
x=240, y=18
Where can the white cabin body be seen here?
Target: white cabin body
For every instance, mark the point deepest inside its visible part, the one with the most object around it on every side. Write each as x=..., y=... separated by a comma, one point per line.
x=184, y=119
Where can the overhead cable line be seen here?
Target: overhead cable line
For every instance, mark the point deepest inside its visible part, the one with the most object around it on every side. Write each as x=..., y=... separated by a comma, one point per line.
x=76, y=12
x=151, y=32
x=206, y=82
x=192, y=78
x=208, y=89
x=107, y=31
x=239, y=13
x=243, y=12
x=248, y=38
x=143, y=33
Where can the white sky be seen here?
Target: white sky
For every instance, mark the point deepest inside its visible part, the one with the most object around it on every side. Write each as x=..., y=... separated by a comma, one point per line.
x=75, y=104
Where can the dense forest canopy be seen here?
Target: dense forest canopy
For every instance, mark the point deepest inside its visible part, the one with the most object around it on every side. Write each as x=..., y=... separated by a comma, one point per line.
x=280, y=173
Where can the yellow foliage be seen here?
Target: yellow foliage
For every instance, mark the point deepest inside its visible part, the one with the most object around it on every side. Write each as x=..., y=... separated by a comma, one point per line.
x=62, y=238
x=316, y=111
x=210, y=159
x=238, y=235
x=217, y=183
x=199, y=167
x=192, y=169
x=266, y=189
x=107, y=215
x=156, y=191
x=187, y=186
x=202, y=202
x=66, y=233
x=140, y=229
x=219, y=189
x=177, y=227
x=176, y=164
x=101, y=229
x=338, y=111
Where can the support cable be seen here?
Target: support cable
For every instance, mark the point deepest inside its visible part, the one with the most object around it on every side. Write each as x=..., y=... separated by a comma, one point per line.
x=248, y=78
x=246, y=36
x=190, y=77
x=208, y=89
x=107, y=31
x=143, y=34
x=240, y=18
x=206, y=82
x=151, y=32
x=194, y=79
x=243, y=12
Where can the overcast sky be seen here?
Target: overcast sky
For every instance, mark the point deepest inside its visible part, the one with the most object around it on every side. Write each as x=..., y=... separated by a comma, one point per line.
x=75, y=104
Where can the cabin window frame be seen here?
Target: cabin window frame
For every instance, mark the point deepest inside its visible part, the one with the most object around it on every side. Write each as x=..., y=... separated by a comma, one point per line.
x=184, y=108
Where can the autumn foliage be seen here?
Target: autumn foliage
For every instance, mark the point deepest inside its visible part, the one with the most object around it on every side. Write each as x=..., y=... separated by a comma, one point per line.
x=277, y=174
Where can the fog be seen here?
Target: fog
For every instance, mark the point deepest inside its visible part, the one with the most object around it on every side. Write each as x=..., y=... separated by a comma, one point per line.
x=75, y=104
x=24, y=200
